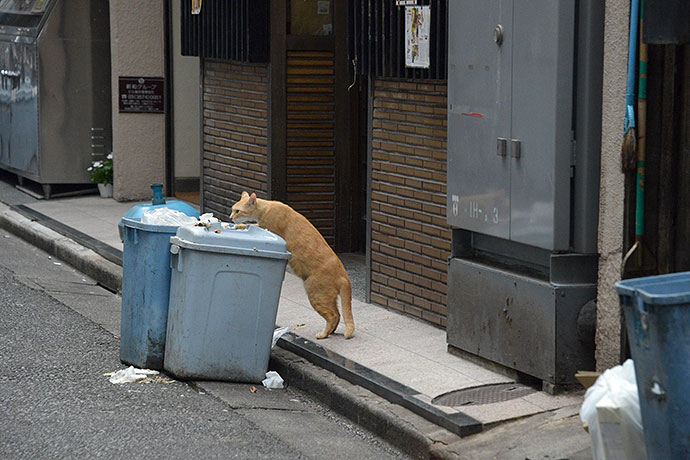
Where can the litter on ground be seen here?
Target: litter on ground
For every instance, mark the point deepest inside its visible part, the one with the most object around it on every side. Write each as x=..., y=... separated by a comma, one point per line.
x=131, y=374
x=278, y=333
x=273, y=380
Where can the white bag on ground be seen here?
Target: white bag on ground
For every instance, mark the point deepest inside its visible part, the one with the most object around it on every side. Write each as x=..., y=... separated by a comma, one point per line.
x=611, y=410
x=273, y=380
x=131, y=374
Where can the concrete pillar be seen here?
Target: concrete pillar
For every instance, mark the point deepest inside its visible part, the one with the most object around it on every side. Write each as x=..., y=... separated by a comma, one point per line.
x=137, y=50
x=612, y=191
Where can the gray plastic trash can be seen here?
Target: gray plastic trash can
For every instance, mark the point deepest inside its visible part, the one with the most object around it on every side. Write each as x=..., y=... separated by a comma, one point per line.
x=224, y=295
x=657, y=315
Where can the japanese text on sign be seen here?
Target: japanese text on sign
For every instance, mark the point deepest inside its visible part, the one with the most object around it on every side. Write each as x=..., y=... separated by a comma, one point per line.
x=141, y=95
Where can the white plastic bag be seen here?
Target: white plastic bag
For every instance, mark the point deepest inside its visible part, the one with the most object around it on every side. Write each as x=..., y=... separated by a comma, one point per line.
x=273, y=380
x=131, y=374
x=277, y=333
x=167, y=216
x=614, y=395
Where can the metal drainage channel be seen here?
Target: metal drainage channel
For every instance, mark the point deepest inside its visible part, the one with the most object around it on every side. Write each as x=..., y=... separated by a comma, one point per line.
x=485, y=394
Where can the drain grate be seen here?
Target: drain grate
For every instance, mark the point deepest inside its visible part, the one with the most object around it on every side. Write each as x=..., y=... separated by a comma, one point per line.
x=485, y=394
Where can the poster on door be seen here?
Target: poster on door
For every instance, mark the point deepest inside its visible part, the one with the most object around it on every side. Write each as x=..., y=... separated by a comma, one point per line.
x=417, y=19
x=196, y=6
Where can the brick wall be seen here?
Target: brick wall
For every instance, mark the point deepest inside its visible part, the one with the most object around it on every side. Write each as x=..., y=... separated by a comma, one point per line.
x=410, y=238
x=235, y=121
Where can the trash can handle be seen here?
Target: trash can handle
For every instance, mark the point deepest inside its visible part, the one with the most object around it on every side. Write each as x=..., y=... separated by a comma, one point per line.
x=644, y=315
x=175, y=262
x=132, y=233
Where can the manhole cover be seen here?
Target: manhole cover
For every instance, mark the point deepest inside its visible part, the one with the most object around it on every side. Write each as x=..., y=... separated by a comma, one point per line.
x=485, y=394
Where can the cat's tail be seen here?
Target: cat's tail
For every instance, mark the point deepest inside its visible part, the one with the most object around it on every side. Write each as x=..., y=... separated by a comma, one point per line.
x=346, y=304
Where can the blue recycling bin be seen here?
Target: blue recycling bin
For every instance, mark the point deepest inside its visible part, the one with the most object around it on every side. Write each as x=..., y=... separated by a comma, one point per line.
x=224, y=296
x=146, y=282
x=657, y=314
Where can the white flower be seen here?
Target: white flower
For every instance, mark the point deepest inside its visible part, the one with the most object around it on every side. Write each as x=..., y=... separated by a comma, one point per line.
x=89, y=168
x=97, y=164
x=110, y=156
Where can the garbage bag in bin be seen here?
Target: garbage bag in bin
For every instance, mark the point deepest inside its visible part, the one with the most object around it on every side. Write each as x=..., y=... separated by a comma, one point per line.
x=146, y=284
x=657, y=315
x=224, y=295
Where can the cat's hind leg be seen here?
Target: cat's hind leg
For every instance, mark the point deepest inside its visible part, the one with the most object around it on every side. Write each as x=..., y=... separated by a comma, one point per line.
x=325, y=304
x=332, y=318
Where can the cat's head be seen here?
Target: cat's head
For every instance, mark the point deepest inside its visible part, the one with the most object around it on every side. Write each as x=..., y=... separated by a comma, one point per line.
x=243, y=212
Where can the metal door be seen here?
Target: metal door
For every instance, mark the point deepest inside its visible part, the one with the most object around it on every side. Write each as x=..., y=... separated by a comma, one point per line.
x=479, y=101
x=542, y=84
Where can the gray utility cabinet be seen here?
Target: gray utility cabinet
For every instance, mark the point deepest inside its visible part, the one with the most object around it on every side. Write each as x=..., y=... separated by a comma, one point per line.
x=524, y=116
x=55, y=88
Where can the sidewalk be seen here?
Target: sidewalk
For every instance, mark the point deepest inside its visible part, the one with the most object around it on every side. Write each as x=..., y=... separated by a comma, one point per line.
x=400, y=361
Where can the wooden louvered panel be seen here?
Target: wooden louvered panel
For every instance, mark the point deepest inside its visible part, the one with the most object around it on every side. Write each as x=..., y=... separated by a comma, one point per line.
x=311, y=138
x=301, y=188
x=311, y=81
x=309, y=116
x=309, y=161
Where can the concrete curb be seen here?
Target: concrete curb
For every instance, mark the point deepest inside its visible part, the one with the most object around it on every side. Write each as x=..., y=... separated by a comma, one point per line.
x=400, y=427
x=85, y=260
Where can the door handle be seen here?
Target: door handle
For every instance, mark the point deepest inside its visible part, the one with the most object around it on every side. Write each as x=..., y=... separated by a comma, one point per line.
x=515, y=148
x=498, y=34
x=501, y=146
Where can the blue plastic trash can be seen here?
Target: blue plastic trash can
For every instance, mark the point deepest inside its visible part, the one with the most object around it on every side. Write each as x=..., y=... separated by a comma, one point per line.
x=146, y=284
x=657, y=314
x=224, y=295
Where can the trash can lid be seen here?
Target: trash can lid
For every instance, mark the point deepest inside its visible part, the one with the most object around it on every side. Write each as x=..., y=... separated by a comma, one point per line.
x=137, y=223
x=224, y=238
x=668, y=289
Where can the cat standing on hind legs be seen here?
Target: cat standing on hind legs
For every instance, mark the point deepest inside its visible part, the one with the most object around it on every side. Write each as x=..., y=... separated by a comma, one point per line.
x=312, y=259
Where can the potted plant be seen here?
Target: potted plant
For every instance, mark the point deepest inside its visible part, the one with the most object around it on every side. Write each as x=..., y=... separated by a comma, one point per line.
x=102, y=175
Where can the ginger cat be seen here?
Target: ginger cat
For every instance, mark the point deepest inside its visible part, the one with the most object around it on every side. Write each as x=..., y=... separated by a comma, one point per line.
x=312, y=259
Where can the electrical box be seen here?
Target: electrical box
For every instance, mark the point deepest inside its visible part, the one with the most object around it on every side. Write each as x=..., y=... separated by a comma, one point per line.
x=510, y=126
x=524, y=142
x=55, y=99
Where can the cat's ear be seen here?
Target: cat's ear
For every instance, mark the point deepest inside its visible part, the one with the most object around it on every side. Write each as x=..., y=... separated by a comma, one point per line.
x=252, y=199
x=245, y=194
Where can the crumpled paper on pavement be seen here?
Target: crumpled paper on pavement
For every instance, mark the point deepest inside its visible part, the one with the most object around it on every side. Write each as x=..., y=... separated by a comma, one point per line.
x=129, y=375
x=273, y=380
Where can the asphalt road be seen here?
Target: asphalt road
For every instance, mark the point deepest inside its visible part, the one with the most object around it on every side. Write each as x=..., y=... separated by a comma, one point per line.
x=58, y=336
